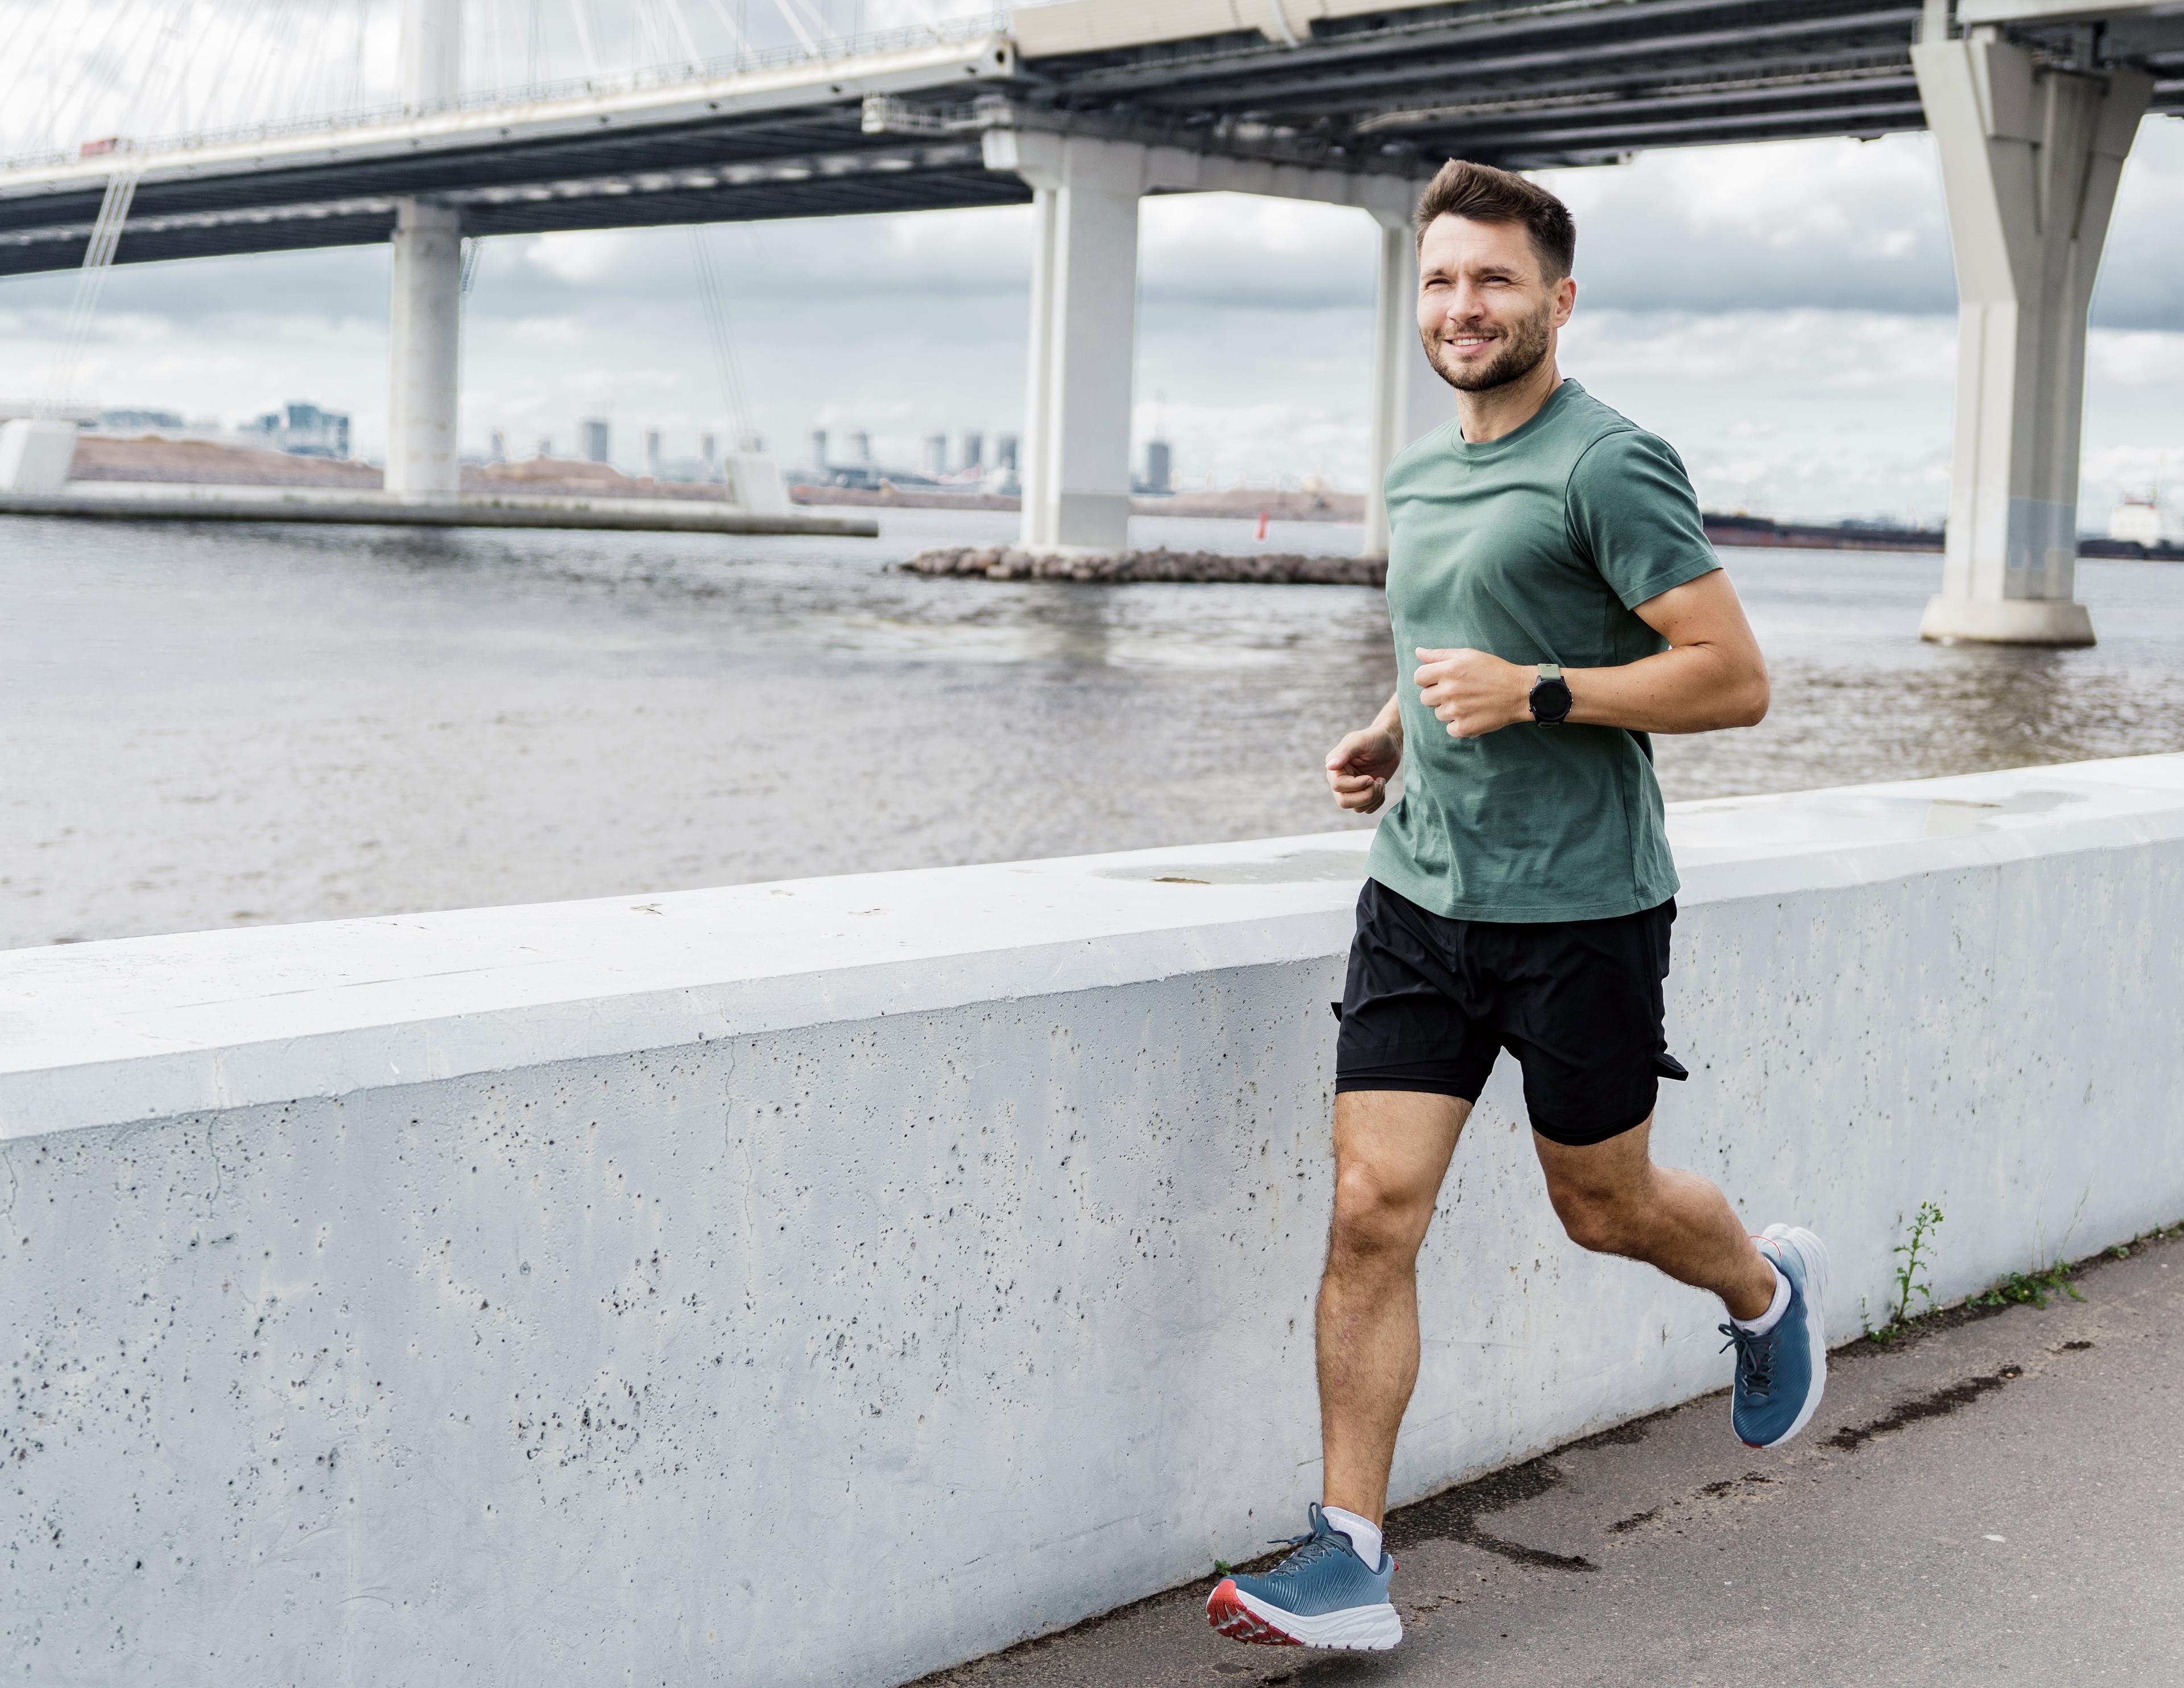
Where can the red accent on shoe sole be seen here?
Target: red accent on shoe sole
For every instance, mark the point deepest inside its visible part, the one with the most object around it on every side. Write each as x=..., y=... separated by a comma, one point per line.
x=1226, y=1611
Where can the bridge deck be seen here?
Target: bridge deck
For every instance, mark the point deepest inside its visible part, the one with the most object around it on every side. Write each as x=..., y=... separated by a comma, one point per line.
x=1394, y=86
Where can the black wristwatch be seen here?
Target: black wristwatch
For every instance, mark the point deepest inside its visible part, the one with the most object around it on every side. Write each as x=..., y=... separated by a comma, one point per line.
x=1551, y=696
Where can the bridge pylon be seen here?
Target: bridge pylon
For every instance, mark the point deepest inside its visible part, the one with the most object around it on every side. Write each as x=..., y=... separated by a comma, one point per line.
x=1081, y=359
x=1082, y=353
x=2030, y=153
x=1409, y=398
x=425, y=309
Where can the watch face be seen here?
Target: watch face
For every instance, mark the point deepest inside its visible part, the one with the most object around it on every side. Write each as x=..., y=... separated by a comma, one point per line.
x=1550, y=699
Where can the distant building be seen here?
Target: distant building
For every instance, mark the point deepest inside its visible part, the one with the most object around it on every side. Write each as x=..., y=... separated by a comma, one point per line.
x=860, y=447
x=936, y=455
x=974, y=451
x=114, y=421
x=652, y=452
x=1005, y=451
x=300, y=430
x=819, y=450
x=1160, y=467
x=596, y=440
x=754, y=445
x=705, y=443
x=499, y=447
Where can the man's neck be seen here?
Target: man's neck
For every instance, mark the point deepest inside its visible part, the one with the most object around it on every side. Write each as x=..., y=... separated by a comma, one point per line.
x=1501, y=410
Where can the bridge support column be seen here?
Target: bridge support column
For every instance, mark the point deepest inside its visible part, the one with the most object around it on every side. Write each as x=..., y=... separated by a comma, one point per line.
x=1075, y=459
x=1075, y=466
x=426, y=354
x=2030, y=154
x=1408, y=396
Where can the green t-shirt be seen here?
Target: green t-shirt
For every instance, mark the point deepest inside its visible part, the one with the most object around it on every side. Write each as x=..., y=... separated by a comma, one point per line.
x=1535, y=547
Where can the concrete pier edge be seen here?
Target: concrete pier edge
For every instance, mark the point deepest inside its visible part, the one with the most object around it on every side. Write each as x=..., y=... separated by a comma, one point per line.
x=462, y=1285
x=128, y=502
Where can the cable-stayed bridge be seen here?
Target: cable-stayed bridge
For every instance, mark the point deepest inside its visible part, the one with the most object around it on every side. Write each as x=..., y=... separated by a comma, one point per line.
x=1083, y=107
x=892, y=121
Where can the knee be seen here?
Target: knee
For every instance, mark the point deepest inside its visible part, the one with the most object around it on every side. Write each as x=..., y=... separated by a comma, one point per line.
x=1599, y=1224
x=1376, y=1220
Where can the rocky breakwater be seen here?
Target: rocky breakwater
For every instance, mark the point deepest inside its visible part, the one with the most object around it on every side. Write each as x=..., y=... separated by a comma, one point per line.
x=1118, y=568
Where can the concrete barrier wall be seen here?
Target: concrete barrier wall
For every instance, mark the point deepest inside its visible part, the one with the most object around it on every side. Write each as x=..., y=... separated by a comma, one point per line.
x=824, y=1282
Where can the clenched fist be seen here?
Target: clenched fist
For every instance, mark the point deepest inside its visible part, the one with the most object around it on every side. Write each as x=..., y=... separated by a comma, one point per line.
x=1473, y=693
x=1359, y=768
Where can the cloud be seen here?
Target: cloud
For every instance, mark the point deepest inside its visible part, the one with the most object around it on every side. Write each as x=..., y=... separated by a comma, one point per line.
x=1841, y=225
x=1784, y=312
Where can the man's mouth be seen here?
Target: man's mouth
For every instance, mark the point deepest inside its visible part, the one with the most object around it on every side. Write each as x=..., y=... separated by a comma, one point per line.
x=1468, y=343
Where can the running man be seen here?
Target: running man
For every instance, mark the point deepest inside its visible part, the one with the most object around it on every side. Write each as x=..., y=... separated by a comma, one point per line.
x=1554, y=601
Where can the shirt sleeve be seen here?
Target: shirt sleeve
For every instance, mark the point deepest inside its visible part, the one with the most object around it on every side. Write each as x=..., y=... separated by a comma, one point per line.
x=1630, y=507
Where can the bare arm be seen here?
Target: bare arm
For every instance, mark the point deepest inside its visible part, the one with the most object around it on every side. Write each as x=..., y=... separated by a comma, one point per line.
x=1712, y=675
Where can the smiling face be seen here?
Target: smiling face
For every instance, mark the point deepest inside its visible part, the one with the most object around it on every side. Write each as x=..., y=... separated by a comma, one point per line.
x=1488, y=313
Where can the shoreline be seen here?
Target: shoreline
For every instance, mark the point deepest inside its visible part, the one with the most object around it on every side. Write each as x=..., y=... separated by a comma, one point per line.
x=185, y=462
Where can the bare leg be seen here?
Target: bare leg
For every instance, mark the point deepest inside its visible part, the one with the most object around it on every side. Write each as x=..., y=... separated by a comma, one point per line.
x=1611, y=1199
x=1391, y=1150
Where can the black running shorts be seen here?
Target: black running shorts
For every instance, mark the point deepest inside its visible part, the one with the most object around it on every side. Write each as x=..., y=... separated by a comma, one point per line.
x=1431, y=1003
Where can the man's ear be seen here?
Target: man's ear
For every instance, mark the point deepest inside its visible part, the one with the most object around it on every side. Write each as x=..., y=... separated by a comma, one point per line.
x=1565, y=299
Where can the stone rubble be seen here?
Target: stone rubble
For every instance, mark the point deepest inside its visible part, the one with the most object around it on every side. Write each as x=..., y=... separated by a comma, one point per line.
x=1012, y=562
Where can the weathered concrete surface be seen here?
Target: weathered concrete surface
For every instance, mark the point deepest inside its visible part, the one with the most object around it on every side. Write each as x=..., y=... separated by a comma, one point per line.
x=2002, y=1501
x=468, y=1288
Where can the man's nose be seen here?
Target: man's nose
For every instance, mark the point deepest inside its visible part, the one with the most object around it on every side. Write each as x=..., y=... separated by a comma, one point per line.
x=1464, y=304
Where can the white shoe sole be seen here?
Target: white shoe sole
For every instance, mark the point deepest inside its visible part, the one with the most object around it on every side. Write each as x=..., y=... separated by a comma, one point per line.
x=1814, y=1254
x=1245, y=1618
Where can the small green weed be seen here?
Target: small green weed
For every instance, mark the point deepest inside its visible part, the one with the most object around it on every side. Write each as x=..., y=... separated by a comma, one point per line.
x=1917, y=1255
x=2022, y=1289
x=1222, y=1567
x=2046, y=1278
x=2033, y=1288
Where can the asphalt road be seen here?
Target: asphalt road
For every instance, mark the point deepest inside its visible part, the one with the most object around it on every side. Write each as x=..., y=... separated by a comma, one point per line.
x=1997, y=1500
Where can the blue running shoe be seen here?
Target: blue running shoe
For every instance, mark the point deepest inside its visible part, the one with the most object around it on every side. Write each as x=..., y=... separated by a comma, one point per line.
x=1779, y=1376
x=1322, y=1595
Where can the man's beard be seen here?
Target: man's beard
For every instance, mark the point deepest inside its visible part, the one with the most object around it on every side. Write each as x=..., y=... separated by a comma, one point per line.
x=1522, y=353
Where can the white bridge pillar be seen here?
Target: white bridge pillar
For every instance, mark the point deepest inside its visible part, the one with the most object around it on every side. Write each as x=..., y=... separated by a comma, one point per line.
x=1075, y=462
x=2030, y=154
x=425, y=349
x=425, y=360
x=1409, y=396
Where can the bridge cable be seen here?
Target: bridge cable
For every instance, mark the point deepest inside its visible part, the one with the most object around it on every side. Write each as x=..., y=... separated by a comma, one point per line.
x=714, y=300
x=793, y=12
x=50, y=114
x=728, y=23
x=271, y=48
x=90, y=282
x=584, y=38
x=356, y=56
x=25, y=55
x=187, y=68
x=674, y=10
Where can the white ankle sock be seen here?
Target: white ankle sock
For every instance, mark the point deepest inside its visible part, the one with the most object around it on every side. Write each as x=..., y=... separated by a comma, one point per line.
x=1364, y=1538
x=1768, y=1320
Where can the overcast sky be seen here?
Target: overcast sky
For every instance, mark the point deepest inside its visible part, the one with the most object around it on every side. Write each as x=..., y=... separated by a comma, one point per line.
x=1783, y=312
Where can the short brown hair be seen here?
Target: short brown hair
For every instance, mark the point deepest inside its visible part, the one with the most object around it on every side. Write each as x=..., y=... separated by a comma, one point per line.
x=1484, y=194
